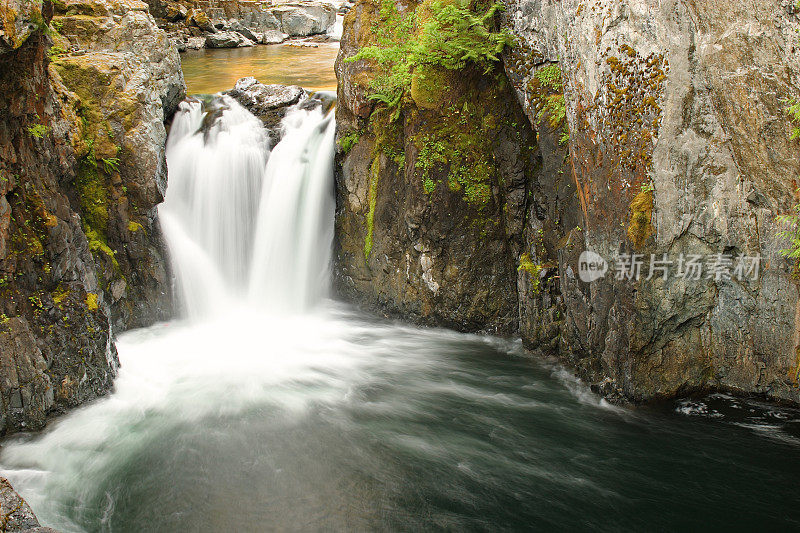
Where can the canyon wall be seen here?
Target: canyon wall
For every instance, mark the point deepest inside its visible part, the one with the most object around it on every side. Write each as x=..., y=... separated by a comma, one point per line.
x=674, y=140
x=85, y=88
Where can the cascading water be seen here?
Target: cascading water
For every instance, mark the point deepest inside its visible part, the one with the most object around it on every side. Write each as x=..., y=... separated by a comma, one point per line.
x=244, y=225
x=272, y=408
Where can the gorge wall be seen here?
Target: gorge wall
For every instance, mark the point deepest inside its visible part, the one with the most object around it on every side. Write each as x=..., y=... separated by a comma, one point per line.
x=616, y=127
x=85, y=89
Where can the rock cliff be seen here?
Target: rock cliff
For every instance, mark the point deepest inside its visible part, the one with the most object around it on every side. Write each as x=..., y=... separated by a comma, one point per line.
x=84, y=98
x=660, y=128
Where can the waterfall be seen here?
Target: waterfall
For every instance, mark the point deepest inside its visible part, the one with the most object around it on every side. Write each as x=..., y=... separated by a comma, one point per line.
x=243, y=224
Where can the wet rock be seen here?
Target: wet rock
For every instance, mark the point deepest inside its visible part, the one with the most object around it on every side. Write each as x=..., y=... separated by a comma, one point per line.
x=26, y=389
x=175, y=12
x=267, y=102
x=17, y=515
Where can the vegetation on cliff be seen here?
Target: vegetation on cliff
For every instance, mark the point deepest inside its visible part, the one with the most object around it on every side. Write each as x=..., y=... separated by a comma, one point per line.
x=449, y=34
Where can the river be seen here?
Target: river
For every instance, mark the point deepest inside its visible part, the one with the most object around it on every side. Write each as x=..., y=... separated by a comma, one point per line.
x=270, y=406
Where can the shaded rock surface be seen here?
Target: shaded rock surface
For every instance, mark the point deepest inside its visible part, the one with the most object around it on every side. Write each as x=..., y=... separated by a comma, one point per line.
x=433, y=241
x=678, y=144
x=81, y=171
x=706, y=84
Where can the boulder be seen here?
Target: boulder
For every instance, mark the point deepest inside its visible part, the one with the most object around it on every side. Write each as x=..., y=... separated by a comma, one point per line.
x=303, y=19
x=273, y=37
x=202, y=21
x=227, y=39
x=235, y=25
x=267, y=102
x=195, y=43
x=175, y=12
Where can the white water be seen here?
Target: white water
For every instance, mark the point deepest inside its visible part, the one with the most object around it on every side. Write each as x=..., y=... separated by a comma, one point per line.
x=244, y=225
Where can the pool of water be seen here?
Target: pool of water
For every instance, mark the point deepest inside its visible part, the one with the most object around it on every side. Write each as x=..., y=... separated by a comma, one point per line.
x=209, y=71
x=337, y=421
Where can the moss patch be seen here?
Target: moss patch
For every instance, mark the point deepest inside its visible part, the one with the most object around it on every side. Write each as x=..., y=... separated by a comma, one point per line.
x=640, y=228
x=374, y=174
x=91, y=301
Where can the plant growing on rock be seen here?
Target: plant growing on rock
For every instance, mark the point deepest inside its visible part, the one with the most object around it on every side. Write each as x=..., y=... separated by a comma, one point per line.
x=441, y=33
x=549, y=100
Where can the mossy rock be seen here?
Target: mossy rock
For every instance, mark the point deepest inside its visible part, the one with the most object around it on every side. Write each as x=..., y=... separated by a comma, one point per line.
x=430, y=86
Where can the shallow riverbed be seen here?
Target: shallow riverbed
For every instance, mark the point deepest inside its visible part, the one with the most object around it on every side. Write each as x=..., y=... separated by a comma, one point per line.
x=209, y=71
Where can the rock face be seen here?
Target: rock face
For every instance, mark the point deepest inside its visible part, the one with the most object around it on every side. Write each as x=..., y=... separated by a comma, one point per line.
x=81, y=170
x=17, y=515
x=688, y=101
x=305, y=18
x=430, y=202
x=678, y=144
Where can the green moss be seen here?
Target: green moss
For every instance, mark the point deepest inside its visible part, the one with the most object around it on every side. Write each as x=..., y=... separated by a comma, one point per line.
x=38, y=130
x=640, y=228
x=134, y=226
x=60, y=294
x=429, y=86
x=347, y=142
x=461, y=143
x=97, y=243
x=533, y=270
x=546, y=94
x=448, y=34
x=374, y=174
x=92, y=192
x=794, y=113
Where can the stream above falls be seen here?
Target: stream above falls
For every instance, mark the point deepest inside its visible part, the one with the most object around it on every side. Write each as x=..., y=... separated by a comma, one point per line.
x=309, y=65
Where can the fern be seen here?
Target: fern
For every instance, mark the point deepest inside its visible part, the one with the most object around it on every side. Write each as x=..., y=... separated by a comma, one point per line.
x=447, y=34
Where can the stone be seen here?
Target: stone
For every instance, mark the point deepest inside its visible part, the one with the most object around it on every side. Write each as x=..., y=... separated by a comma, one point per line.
x=227, y=39
x=17, y=514
x=175, y=12
x=202, y=21
x=273, y=37
x=195, y=43
x=18, y=20
x=237, y=26
x=267, y=102
x=307, y=18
